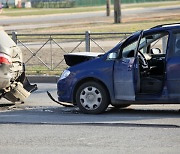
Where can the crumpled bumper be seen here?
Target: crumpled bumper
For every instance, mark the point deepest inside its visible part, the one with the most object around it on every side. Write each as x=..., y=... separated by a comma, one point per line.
x=19, y=90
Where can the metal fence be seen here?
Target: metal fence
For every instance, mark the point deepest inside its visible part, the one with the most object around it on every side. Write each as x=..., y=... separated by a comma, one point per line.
x=43, y=53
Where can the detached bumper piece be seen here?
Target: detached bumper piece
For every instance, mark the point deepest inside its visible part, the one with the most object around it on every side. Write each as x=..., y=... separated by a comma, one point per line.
x=16, y=93
x=26, y=84
x=60, y=103
x=19, y=90
x=29, y=87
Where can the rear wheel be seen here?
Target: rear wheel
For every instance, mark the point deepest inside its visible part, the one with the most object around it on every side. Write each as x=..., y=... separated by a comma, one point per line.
x=92, y=97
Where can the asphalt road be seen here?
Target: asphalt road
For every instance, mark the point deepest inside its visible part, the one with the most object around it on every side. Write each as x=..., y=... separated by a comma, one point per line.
x=42, y=126
x=39, y=108
x=87, y=139
x=13, y=23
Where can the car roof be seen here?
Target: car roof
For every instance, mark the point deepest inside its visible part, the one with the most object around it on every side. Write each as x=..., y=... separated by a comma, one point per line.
x=170, y=25
x=162, y=28
x=165, y=27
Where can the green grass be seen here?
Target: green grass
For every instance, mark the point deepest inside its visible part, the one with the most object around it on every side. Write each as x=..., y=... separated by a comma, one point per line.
x=39, y=70
x=107, y=27
x=48, y=11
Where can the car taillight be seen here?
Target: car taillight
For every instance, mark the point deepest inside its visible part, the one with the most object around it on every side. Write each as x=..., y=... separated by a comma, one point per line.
x=4, y=59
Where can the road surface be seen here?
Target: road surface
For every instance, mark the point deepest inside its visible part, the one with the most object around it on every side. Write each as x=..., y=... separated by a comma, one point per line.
x=39, y=108
x=42, y=126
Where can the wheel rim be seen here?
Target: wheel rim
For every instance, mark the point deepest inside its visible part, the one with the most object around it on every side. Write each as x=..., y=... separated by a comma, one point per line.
x=90, y=98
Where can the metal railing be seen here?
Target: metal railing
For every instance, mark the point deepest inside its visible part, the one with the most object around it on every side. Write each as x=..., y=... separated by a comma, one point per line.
x=43, y=53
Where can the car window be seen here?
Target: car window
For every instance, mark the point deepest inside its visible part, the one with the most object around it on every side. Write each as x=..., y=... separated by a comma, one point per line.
x=177, y=45
x=160, y=45
x=154, y=44
x=128, y=51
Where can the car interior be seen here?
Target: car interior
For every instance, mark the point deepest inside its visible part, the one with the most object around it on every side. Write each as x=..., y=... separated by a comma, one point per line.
x=151, y=58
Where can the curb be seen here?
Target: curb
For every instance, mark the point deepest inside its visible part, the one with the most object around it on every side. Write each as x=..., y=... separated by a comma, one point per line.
x=42, y=79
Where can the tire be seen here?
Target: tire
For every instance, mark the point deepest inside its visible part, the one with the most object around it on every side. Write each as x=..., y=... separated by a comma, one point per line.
x=92, y=98
x=121, y=106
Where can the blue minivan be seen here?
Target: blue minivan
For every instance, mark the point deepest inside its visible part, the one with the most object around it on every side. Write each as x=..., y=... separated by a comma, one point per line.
x=142, y=69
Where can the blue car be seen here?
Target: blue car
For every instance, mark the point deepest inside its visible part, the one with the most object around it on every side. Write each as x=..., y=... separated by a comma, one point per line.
x=143, y=69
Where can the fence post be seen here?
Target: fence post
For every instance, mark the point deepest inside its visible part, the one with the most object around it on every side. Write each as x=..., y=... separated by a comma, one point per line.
x=87, y=40
x=14, y=37
x=50, y=39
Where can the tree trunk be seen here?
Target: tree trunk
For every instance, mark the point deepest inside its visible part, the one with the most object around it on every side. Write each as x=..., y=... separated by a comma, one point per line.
x=117, y=11
x=108, y=9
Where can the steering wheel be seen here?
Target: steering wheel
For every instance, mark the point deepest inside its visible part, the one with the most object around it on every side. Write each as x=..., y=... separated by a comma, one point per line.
x=142, y=61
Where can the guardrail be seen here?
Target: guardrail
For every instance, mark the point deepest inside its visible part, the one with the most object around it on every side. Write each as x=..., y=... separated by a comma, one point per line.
x=43, y=53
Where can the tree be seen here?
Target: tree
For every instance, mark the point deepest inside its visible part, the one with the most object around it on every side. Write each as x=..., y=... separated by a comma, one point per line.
x=117, y=11
x=108, y=10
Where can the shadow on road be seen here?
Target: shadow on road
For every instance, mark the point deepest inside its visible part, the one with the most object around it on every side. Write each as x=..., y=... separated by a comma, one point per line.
x=132, y=117
x=144, y=112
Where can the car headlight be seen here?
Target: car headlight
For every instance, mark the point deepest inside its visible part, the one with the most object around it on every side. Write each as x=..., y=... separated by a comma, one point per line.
x=65, y=74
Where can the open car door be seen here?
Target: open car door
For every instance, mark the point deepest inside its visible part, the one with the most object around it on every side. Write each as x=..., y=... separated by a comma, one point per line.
x=126, y=73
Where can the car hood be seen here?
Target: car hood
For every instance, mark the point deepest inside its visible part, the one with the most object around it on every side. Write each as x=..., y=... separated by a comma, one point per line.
x=72, y=59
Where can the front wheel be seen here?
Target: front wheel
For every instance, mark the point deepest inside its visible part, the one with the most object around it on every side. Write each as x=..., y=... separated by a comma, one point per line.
x=92, y=97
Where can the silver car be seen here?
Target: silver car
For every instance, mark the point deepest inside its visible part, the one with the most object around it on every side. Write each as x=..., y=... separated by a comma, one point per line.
x=14, y=86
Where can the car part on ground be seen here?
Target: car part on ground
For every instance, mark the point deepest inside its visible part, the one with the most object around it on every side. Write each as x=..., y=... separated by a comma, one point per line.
x=60, y=103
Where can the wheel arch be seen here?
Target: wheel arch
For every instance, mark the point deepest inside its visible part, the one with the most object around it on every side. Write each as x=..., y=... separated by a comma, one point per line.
x=87, y=80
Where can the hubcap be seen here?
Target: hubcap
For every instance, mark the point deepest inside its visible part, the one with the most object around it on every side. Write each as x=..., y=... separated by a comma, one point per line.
x=90, y=98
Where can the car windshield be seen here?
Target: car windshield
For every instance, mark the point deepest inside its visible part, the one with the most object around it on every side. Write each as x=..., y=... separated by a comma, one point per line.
x=131, y=46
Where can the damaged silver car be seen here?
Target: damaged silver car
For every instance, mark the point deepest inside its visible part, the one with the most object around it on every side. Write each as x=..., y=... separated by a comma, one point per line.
x=14, y=85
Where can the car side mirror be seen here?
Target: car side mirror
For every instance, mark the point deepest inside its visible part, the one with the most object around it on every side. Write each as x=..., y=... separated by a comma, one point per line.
x=155, y=51
x=112, y=56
